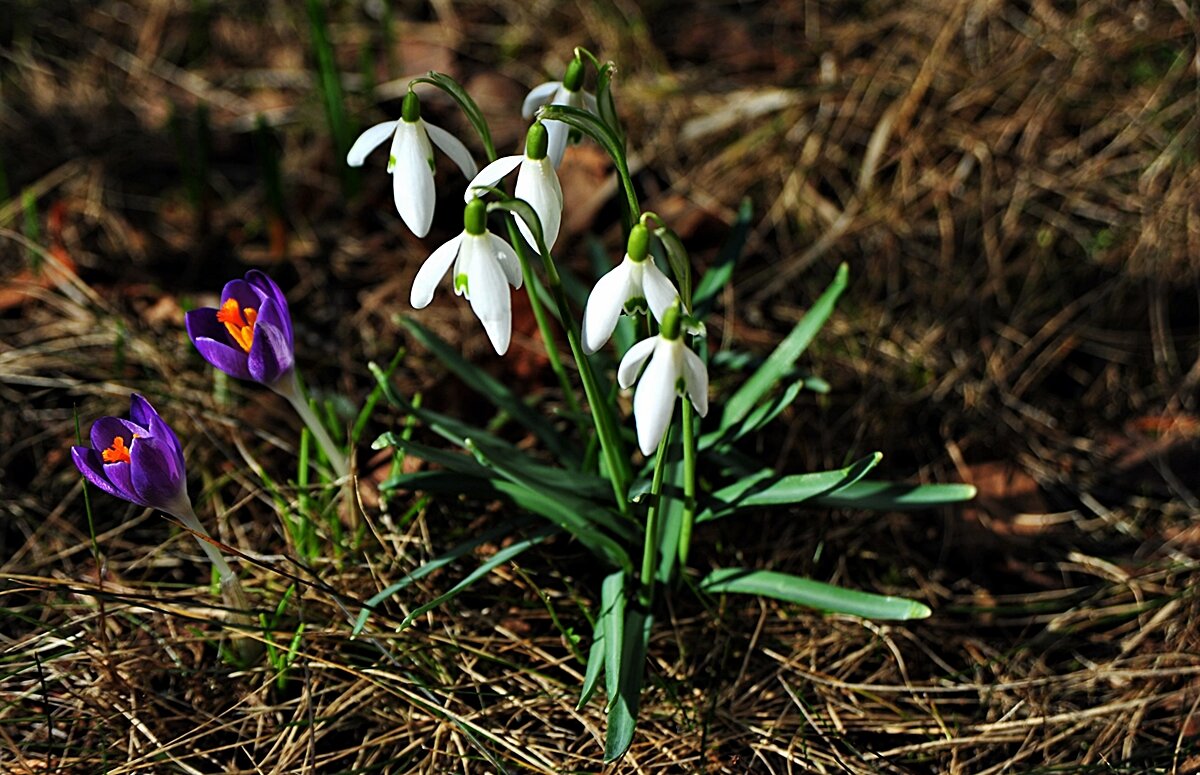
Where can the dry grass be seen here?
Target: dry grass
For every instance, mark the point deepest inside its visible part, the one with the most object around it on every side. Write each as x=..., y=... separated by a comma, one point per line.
x=1015, y=186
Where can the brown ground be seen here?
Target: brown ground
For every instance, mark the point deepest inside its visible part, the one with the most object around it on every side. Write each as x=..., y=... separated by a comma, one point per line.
x=1015, y=187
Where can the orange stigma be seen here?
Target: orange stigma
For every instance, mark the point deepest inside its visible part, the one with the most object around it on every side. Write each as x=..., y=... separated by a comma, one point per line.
x=117, y=453
x=239, y=327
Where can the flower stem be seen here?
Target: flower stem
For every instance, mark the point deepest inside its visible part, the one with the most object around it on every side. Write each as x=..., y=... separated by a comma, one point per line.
x=290, y=389
x=689, y=483
x=650, y=546
x=543, y=322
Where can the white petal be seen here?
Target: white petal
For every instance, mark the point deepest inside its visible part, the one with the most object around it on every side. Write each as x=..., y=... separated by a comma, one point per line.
x=537, y=184
x=631, y=364
x=431, y=273
x=556, y=141
x=508, y=260
x=369, y=141
x=491, y=174
x=589, y=104
x=660, y=292
x=452, y=147
x=654, y=400
x=488, y=291
x=412, y=179
x=538, y=96
x=695, y=378
x=604, y=306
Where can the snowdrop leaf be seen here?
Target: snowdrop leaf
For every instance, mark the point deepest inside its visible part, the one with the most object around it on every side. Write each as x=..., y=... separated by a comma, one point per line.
x=785, y=490
x=623, y=709
x=814, y=594
x=894, y=496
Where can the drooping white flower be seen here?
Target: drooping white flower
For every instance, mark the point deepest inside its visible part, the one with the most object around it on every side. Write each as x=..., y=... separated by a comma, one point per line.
x=484, y=267
x=411, y=161
x=568, y=91
x=632, y=286
x=673, y=369
x=537, y=184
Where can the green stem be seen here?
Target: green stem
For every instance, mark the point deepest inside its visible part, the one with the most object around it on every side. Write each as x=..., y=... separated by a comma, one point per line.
x=650, y=547
x=689, y=482
x=543, y=321
x=290, y=389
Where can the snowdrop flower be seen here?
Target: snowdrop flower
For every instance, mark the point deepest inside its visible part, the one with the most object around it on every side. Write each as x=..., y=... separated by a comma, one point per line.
x=537, y=184
x=411, y=161
x=483, y=263
x=568, y=91
x=673, y=369
x=632, y=286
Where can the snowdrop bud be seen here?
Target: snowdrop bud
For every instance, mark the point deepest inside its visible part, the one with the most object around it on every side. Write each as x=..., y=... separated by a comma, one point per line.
x=537, y=140
x=475, y=217
x=638, y=246
x=573, y=78
x=410, y=110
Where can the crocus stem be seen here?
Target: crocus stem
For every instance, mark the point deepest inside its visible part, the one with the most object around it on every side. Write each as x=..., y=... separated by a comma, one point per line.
x=289, y=388
x=650, y=547
x=689, y=483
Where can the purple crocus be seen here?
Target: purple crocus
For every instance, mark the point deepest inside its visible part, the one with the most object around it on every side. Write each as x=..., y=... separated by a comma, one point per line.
x=250, y=335
x=138, y=460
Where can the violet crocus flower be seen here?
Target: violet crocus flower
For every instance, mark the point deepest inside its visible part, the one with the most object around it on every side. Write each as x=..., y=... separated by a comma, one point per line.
x=138, y=460
x=250, y=335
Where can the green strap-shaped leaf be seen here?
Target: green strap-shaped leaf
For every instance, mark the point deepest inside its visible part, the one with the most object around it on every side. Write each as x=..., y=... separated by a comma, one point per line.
x=894, y=496
x=786, y=490
x=495, y=534
x=612, y=614
x=623, y=712
x=495, y=561
x=814, y=594
x=759, y=417
x=469, y=108
x=595, y=666
x=783, y=359
x=493, y=390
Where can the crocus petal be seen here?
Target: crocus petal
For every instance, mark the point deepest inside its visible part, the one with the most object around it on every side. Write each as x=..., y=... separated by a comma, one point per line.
x=538, y=96
x=231, y=360
x=604, y=306
x=452, y=147
x=488, y=291
x=695, y=378
x=491, y=175
x=369, y=141
x=537, y=184
x=203, y=322
x=156, y=474
x=631, y=364
x=269, y=290
x=431, y=272
x=271, y=356
x=654, y=400
x=412, y=178
x=508, y=260
x=660, y=292
x=245, y=293
x=92, y=466
x=142, y=413
x=105, y=429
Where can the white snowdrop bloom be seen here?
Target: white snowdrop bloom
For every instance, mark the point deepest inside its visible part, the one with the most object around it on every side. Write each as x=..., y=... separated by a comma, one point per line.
x=632, y=286
x=568, y=91
x=484, y=267
x=673, y=369
x=537, y=184
x=411, y=161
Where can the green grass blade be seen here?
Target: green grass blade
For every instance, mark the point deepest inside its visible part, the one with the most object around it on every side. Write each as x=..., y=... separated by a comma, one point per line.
x=496, y=560
x=814, y=594
x=783, y=359
x=721, y=272
x=893, y=496
x=494, y=391
x=329, y=85
x=622, y=713
x=786, y=490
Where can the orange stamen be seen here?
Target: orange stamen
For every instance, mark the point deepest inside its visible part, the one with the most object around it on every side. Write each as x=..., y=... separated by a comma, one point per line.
x=117, y=452
x=239, y=327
